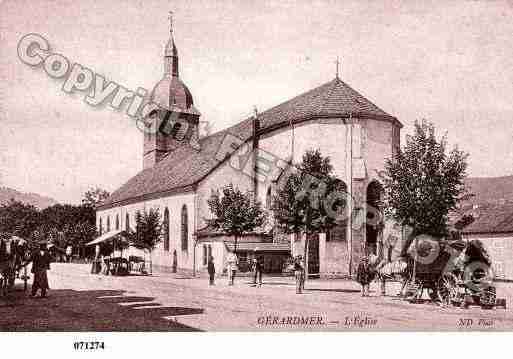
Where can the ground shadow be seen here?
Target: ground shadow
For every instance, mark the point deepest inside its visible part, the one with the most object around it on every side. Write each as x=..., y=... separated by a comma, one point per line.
x=89, y=310
x=273, y=283
x=332, y=290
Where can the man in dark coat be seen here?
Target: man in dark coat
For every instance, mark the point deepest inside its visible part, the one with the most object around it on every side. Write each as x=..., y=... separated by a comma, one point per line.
x=299, y=274
x=257, y=268
x=364, y=275
x=40, y=264
x=211, y=270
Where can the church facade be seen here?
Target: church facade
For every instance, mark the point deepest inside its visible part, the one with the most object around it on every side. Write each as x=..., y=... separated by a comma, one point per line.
x=180, y=170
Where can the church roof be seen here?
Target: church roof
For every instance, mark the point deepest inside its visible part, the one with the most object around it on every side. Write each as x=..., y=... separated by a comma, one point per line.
x=178, y=171
x=333, y=99
x=185, y=167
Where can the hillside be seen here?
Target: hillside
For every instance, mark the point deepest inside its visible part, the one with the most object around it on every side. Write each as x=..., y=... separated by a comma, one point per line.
x=35, y=199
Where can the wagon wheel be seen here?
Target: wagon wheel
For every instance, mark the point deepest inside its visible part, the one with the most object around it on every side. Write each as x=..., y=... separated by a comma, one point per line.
x=447, y=288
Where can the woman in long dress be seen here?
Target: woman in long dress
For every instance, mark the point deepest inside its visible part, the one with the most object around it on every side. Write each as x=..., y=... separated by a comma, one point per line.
x=40, y=265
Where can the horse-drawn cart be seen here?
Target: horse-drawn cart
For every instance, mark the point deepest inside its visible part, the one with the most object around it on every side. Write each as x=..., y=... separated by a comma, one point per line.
x=452, y=272
x=14, y=255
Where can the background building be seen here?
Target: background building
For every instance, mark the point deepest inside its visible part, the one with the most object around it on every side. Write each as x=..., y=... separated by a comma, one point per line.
x=492, y=210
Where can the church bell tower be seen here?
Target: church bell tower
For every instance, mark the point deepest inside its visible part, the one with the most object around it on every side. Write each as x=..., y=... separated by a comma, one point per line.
x=177, y=118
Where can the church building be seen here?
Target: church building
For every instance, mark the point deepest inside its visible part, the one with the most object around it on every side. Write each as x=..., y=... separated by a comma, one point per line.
x=180, y=169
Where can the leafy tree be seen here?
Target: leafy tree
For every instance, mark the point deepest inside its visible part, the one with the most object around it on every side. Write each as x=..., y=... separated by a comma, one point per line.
x=94, y=196
x=65, y=224
x=78, y=235
x=235, y=212
x=311, y=199
x=60, y=224
x=423, y=182
x=148, y=231
x=19, y=218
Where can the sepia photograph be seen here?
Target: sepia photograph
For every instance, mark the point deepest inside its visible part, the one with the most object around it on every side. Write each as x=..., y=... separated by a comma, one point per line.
x=273, y=166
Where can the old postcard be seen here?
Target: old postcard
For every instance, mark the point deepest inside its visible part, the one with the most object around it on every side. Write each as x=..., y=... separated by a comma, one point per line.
x=274, y=166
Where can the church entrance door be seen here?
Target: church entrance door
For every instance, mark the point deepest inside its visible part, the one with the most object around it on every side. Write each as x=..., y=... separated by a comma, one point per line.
x=313, y=255
x=374, y=218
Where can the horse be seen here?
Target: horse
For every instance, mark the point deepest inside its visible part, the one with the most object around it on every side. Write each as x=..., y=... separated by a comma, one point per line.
x=392, y=263
x=6, y=264
x=396, y=270
x=14, y=254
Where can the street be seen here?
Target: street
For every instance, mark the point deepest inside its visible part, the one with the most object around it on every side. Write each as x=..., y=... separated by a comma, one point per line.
x=80, y=301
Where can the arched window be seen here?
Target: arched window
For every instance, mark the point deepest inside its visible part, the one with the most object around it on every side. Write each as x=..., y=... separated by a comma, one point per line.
x=127, y=223
x=166, y=230
x=117, y=222
x=185, y=228
x=108, y=223
x=100, y=227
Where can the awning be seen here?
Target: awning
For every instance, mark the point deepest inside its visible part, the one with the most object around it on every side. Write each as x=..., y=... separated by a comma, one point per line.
x=105, y=237
x=259, y=246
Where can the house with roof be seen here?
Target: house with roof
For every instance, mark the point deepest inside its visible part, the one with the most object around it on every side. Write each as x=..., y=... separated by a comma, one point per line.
x=180, y=170
x=493, y=226
x=491, y=208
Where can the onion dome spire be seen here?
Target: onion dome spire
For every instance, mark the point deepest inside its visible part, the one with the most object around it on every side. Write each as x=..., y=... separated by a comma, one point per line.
x=170, y=52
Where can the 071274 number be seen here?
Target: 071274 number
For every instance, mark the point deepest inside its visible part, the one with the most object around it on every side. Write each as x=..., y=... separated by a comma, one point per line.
x=88, y=345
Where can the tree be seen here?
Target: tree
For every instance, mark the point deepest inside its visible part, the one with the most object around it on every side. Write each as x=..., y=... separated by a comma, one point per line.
x=66, y=224
x=423, y=182
x=80, y=234
x=94, y=196
x=310, y=199
x=19, y=219
x=60, y=224
x=235, y=212
x=148, y=231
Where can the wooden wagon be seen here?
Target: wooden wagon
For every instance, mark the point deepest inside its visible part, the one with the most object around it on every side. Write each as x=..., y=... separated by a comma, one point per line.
x=452, y=272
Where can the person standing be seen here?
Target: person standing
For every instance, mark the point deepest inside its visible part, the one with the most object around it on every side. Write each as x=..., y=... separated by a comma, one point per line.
x=211, y=270
x=69, y=252
x=364, y=275
x=40, y=264
x=175, y=261
x=231, y=266
x=257, y=268
x=299, y=273
x=96, y=267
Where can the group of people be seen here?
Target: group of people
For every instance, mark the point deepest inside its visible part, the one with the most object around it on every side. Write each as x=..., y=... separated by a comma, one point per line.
x=232, y=266
x=257, y=268
x=41, y=264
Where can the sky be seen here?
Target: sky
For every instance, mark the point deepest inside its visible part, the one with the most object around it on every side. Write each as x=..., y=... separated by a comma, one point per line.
x=448, y=62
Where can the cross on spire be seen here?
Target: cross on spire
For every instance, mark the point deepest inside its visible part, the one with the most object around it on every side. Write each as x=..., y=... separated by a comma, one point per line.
x=170, y=17
x=337, y=62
